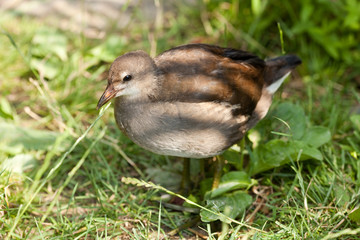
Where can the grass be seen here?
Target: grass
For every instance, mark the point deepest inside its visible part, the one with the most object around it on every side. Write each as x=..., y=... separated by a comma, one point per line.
x=68, y=172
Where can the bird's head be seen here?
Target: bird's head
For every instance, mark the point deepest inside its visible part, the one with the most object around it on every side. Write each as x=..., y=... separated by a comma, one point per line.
x=132, y=75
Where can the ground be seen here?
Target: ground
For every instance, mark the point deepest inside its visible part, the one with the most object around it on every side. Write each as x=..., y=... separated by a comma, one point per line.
x=67, y=172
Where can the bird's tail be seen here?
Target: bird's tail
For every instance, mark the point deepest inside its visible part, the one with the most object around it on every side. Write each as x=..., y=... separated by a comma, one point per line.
x=277, y=69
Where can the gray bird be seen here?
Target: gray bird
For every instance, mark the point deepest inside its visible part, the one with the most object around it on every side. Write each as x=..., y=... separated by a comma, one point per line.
x=195, y=100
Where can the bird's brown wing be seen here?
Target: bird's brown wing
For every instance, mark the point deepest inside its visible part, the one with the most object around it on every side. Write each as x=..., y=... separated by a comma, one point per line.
x=200, y=73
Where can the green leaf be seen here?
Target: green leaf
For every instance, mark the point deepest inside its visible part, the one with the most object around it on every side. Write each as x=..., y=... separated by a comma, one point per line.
x=355, y=119
x=206, y=185
x=13, y=136
x=49, y=68
x=342, y=195
x=257, y=6
x=294, y=116
x=50, y=41
x=19, y=164
x=306, y=12
x=229, y=182
x=355, y=215
x=5, y=109
x=110, y=49
x=232, y=205
x=277, y=153
x=316, y=136
x=166, y=178
x=232, y=156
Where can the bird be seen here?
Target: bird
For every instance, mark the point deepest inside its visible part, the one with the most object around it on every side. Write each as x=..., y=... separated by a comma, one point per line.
x=193, y=100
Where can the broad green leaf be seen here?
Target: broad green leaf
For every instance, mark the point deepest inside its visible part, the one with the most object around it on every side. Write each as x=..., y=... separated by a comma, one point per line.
x=294, y=116
x=164, y=177
x=257, y=6
x=316, y=136
x=110, y=49
x=5, y=109
x=306, y=12
x=50, y=41
x=229, y=182
x=232, y=205
x=342, y=195
x=49, y=68
x=355, y=119
x=355, y=215
x=15, y=136
x=192, y=198
x=205, y=185
x=232, y=156
x=254, y=136
x=19, y=163
x=352, y=18
x=277, y=152
x=13, y=150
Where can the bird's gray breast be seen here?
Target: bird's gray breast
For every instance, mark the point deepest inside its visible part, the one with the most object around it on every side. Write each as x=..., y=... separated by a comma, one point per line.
x=196, y=130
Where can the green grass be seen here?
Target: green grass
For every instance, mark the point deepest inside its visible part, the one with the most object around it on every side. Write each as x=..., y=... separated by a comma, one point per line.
x=65, y=173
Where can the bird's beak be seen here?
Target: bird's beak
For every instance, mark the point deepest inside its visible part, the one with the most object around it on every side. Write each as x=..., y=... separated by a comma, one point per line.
x=106, y=96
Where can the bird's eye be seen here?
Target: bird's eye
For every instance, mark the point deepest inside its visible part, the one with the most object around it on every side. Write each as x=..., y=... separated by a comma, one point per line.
x=127, y=78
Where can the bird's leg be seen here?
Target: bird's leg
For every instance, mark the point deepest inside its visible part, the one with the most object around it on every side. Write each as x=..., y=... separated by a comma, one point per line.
x=219, y=164
x=185, y=183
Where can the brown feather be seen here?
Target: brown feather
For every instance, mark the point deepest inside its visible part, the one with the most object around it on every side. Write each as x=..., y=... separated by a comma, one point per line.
x=199, y=72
